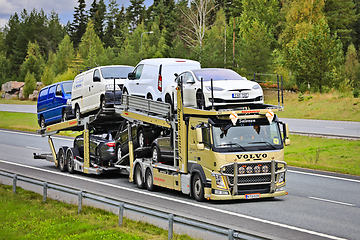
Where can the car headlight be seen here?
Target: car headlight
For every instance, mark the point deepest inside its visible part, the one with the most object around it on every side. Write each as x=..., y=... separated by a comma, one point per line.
x=110, y=87
x=214, y=89
x=68, y=102
x=256, y=87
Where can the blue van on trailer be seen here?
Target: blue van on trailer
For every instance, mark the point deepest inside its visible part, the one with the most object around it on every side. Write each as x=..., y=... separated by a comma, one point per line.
x=54, y=103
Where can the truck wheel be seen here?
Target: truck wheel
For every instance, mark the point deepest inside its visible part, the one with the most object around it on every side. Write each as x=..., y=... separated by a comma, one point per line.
x=198, y=188
x=139, y=180
x=149, y=180
x=70, y=161
x=62, y=160
x=155, y=154
x=42, y=122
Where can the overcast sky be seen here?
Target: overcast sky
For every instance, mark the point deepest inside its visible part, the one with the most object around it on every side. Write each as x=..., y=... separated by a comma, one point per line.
x=65, y=8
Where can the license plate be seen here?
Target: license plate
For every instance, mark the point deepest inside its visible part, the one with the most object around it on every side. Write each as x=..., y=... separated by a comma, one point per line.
x=252, y=196
x=240, y=95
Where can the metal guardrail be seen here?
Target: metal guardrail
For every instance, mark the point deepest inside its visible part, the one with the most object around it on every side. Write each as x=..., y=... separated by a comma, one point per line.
x=230, y=233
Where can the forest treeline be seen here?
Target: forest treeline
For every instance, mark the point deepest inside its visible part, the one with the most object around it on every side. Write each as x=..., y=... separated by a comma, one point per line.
x=313, y=44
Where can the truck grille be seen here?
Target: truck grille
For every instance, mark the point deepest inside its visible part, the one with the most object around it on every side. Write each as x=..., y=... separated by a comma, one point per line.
x=252, y=176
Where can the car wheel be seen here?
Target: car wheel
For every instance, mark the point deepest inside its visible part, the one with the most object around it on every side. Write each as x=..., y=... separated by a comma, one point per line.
x=155, y=154
x=138, y=177
x=102, y=103
x=141, y=138
x=125, y=92
x=168, y=100
x=70, y=161
x=62, y=160
x=77, y=112
x=42, y=122
x=149, y=96
x=63, y=117
x=149, y=180
x=200, y=101
x=198, y=188
x=118, y=153
x=97, y=156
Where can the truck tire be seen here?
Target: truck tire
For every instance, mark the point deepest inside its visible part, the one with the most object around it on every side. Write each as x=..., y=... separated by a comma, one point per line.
x=138, y=177
x=198, y=188
x=149, y=180
x=62, y=160
x=70, y=155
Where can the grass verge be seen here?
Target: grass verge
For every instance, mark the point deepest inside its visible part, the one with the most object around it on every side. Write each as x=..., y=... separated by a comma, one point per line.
x=25, y=216
x=334, y=155
x=16, y=101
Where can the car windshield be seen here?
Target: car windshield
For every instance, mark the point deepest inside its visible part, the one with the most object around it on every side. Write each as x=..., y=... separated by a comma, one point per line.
x=247, y=137
x=67, y=87
x=116, y=72
x=217, y=74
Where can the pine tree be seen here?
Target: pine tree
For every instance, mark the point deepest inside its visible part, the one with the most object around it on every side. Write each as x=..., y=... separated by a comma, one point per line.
x=34, y=62
x=97, y=15
x=135, y=13
x=64, y=56
x=78, y=26
x=341, y=16
x=113, y=12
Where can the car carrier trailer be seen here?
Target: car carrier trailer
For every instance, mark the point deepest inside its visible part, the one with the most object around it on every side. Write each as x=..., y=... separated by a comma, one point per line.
x=217, y=154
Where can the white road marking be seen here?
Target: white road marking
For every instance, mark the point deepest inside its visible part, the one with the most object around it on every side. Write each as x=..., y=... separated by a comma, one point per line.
x=334, y=127
x=325, y=176
x=185, y=202
x=33, y=148
x=326, y=200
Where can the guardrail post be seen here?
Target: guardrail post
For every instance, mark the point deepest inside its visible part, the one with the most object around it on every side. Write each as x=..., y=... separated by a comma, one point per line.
x=121, y=213
x=14, y=183
x=231, y=234
x=171, y=226
x=80, y=194
x=44, y=191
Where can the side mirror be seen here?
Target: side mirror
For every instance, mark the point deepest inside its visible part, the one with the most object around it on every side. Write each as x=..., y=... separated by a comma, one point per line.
x=96, y=79
x=58, y=93
x=199, y=137
x=131, y=76
x=286, y=134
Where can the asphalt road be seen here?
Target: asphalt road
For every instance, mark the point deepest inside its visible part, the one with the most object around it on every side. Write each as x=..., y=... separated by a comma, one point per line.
x=319, y=205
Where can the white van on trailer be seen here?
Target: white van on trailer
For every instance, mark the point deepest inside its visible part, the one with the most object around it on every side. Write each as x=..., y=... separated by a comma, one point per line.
x=151, y=76
x=99, y=87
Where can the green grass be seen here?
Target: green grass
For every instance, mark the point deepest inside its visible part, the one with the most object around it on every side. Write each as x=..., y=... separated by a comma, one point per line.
x=25, y=216
x=25, y=122
x=16, y=101
x=331, y=106
x=334, y=155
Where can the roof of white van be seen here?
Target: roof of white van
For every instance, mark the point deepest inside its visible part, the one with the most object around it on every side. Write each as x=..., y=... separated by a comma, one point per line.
x=166, y=60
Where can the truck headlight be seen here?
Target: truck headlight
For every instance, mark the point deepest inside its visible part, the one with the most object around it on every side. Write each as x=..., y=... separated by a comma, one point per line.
x=110, y=87
x=220, y=181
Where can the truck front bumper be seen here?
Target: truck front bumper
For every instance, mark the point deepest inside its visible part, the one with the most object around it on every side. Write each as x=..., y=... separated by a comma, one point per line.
x=210, y=196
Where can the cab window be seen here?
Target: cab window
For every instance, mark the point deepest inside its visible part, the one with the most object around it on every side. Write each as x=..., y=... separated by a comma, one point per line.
x=97, y=73
x=58, y=90
x=138, y=71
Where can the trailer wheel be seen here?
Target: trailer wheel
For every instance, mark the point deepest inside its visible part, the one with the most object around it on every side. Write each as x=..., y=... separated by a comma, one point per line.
x=62, y=160
x=70, y=160
x=149, y=180
x=198, y=188
x=139, y=180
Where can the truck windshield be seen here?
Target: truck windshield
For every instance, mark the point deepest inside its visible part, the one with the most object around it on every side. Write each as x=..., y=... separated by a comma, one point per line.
x=116, y=72
x=249, y=137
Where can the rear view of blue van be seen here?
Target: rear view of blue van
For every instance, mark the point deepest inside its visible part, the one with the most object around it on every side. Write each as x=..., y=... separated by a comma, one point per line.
x=54, y=103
